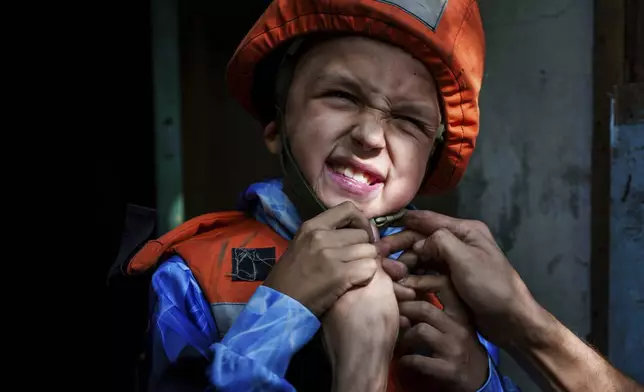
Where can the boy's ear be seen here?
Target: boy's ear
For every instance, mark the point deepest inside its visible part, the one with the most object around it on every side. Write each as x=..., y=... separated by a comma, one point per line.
x=272, y=138
x=438, y=141
x=434, y=147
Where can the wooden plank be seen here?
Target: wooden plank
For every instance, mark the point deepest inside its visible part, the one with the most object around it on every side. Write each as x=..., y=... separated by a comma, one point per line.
x=608, y=69
x=167, y=113
x=634, y=41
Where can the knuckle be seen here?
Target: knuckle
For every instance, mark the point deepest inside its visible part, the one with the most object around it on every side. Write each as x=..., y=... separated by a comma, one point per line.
x=423, y=329
x=451, y=370
x=440, y=233
x=480, y=226
x=426, y=308
x=365, y=269
x=307, y=227
x=316, y=237
x=371, y=250
x=348, y=206
x=326, y=253
x=372, y=265
x=364, y=237
x=466, y=226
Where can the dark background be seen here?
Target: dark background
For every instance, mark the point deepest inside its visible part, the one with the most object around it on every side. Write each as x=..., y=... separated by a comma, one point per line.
x=216, y=132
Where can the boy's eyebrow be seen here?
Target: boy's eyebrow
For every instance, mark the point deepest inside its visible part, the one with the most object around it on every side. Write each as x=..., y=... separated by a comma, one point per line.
x=420, y=107
x=339, y=78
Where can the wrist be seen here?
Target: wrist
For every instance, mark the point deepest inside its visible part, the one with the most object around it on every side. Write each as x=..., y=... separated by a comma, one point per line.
x=365, y=373
x=565, y=361
x=363, y=368
x=537, y=330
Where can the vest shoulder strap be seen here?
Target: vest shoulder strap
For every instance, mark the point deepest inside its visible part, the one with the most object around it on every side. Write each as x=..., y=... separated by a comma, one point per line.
x=229, y=253
x=154, y=250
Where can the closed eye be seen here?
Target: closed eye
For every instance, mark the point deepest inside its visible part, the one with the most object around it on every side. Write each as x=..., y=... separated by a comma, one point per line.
x=414, y=126
x=341, y=95
x=418, y=124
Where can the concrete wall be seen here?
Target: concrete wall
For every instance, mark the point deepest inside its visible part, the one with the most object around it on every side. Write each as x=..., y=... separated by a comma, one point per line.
x=529, y=179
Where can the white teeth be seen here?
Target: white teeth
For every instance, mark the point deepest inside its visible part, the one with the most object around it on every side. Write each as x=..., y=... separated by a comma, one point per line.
x=361, y=178
x=348, y=172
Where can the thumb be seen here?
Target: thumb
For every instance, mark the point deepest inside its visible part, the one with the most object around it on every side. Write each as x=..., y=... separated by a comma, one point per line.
x=397, y=242
x=395, y=269
x=442, y=250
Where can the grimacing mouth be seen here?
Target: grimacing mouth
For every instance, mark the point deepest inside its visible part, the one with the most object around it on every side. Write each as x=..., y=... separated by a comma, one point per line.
x=355, y=170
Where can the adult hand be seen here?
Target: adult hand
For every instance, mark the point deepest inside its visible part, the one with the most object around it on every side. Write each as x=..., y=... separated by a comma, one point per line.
x=440, y=346
x=503, y=308
x=500, y=302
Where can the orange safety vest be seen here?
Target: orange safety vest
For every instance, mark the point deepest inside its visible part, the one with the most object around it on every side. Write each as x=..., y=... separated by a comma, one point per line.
x=207, y=243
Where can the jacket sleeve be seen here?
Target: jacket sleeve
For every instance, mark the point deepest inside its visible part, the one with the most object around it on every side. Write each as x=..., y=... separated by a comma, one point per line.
x=495, y=381
x=188, y=354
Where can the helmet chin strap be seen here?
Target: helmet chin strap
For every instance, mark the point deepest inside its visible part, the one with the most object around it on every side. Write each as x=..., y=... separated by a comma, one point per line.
x=295, y=185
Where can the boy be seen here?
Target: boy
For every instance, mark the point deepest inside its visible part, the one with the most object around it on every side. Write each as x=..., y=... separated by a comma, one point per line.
x=354, y=96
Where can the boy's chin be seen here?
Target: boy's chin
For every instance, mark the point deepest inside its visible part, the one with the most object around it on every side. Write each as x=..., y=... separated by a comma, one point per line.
x=372, y=206
x=371, y=209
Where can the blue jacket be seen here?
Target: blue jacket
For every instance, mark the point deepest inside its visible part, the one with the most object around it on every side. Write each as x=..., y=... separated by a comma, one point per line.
x=192, y=349
x=255, y=352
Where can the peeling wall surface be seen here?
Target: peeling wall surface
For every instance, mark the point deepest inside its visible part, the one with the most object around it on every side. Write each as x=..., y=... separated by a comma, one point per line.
x=529, y=178
x=626, y=320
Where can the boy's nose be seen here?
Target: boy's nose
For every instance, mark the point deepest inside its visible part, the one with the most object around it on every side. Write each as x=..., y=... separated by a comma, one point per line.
x=369, y=134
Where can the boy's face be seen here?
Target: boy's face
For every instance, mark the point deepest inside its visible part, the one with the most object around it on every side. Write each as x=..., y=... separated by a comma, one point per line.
x=361, y=118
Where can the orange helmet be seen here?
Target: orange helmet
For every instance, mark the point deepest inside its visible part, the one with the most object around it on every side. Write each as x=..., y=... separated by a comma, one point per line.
x=445, y=35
